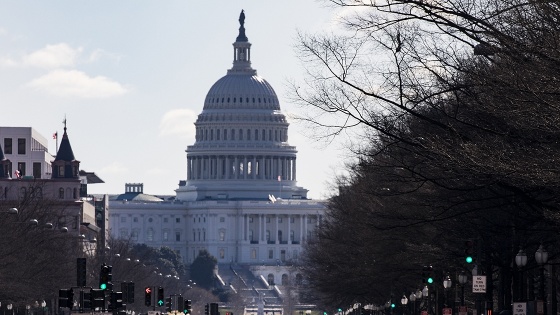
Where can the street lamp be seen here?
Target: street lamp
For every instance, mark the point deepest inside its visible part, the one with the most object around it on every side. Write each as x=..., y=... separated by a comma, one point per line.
x=425, y=295
x=412, y=299
x=541, y=256
x=521, y=261
x=462, y=278
x=404, y=301
x=447, y=283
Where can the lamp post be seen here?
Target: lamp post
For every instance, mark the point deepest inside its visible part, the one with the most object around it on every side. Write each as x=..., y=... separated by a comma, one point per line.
x=541, y=256
x=462, y=278
x=425, y=293
x=447, y=283
x=404, y=301
x=521, y=261
x=412, y=299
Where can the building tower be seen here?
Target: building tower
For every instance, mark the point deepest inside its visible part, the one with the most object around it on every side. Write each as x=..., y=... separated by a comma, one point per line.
x=241, y=149
x=65, y=166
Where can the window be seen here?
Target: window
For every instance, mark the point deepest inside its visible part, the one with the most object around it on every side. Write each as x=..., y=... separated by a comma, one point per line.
x=165, y=220
x=267, y=235
x=250, y=219
x=150, y=220
x=292, y=234
x=177, y=220
x=267, y=219
x=292, y=219
x=61, y=193
x=253, y=253
x=22, y=192
x=134, y=235
x=123, y=219
x=123, y=233
x=36, y=170
x=177, y=236
x=222, y=253
x=21, y=168
x=150, y=234
x=21, y=145
x=251, y=235
x=135, y=219
x=279, y=219
x=61, y=170
x=8, y=145
x=165, y=235
x=222, y=219
x=222, y=234
x=270, y=254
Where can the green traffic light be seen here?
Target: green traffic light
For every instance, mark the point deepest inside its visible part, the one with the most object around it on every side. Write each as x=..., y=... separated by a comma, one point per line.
x=430, y=280
x=103, y=286
x=392, y=305
x=468, y=259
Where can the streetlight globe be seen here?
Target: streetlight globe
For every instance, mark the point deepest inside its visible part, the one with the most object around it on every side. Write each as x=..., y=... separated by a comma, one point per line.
x=541, y=255
x=521, y=258
x=404, y=300
x=462, y=278
x=412, y=297
x=447, y=283
x=425, y=291
x=419, y=294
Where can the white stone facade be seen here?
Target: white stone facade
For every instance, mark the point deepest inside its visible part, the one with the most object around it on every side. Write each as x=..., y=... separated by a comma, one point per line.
x=240, y=200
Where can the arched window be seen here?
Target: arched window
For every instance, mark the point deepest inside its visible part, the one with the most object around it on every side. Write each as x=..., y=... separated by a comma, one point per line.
x=150, y=235
x=225, y=134
x=222, y=235
x=248, y=134
x=61, y=193
x=240, y=134
x=270, y=279
x=285, y=279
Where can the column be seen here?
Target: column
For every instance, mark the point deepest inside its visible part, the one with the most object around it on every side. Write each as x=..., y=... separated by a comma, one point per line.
x=236, y=168
x=254, y=168
x=294, y=170
x=245, y=167
x=289, y=228
x=277, y=229
x=228, y=167
x=261, y=168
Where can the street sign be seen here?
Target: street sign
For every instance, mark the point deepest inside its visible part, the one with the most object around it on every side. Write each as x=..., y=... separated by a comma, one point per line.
x=447, y=311
x=479, y=284
x=519, y=308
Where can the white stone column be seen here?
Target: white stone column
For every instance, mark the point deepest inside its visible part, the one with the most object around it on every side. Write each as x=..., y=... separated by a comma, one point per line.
x=228, y=167
x=245, y=167
x=289, y=228
x=277, y=229
x=294, y=170
x=236, y=168
x=254, y=168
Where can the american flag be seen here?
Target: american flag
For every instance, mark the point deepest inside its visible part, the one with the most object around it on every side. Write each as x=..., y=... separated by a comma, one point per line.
x=55, y=135
x=279, y=178
x=17, y=173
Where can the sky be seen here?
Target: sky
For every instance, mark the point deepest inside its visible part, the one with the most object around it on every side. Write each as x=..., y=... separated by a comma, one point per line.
x=130, y=77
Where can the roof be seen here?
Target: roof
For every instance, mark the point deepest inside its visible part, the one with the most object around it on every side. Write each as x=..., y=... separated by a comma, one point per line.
x=135, y=197
x=91, y=177
x=65, y=152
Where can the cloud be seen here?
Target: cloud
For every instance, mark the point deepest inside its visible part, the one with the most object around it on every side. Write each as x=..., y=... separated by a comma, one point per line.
x=113, y=168
x=178, y=122
x=99, y=54
x=53, y=56
x=74, y=83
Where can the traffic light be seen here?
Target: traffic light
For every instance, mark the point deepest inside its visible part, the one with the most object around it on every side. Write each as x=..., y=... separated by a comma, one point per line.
x=127, y=289
x=469, y=250
x=214, y=309
x=430, y=278
x=427, y=277
x=81, y=274
x=206, y=309
x=85, y=298
x=148, y=296
x=97, y=299
x=105, y=277
x=187, y=309
x=160, y=297
x=168, y=305
x=66, y=298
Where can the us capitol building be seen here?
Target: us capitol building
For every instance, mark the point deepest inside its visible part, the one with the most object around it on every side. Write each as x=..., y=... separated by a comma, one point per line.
x=240, y=200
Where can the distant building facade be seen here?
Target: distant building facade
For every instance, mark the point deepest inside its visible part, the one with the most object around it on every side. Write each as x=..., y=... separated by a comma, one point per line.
x=240, y=200
x=29, y=172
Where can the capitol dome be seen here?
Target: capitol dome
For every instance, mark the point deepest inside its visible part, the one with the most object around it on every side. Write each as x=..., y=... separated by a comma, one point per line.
x=241, y=148
x=241, y=91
